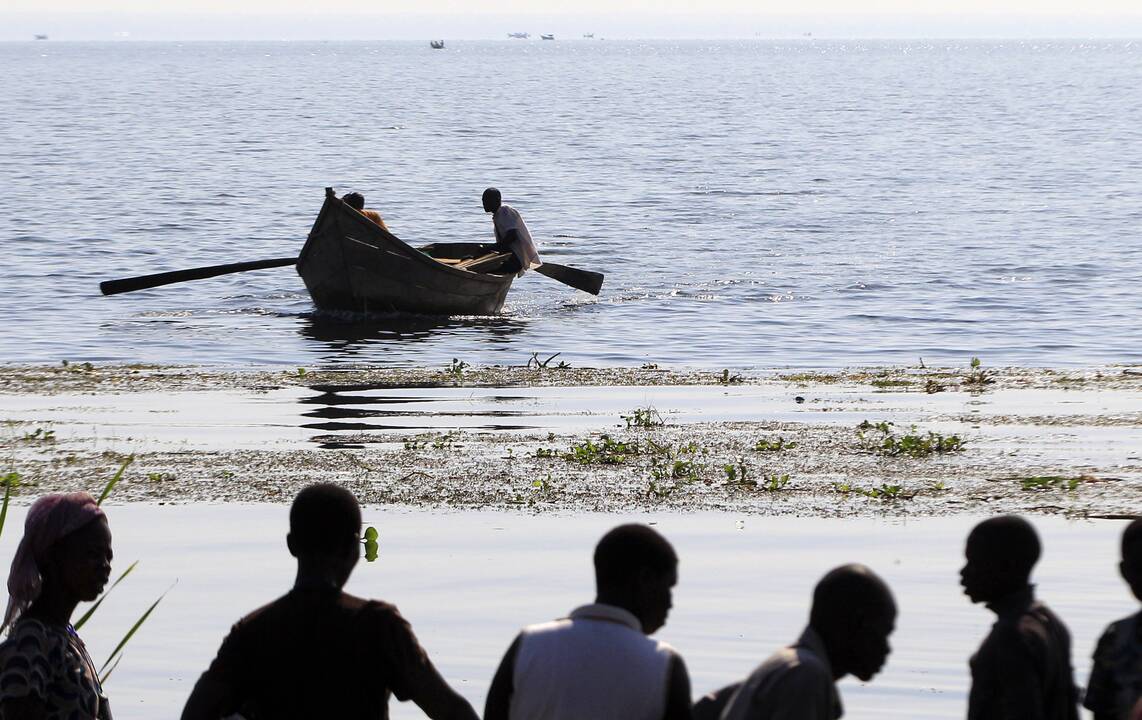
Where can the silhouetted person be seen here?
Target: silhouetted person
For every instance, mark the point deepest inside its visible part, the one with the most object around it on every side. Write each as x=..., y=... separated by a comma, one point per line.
x=318, y=652
x=64, y=558
x=1023, y=668
x=512, y=234
x=357, y=202
x=852, y=616
x=1115, y=687
x=599, y=664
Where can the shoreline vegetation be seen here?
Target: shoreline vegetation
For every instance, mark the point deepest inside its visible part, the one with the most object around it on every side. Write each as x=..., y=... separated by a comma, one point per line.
x=1052, y=441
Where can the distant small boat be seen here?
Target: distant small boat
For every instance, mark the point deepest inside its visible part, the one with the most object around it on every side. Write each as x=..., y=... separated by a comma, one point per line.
x=519, y=36
x=546, y=37
x=41, y=37
x=437, y=44
x=588, y=35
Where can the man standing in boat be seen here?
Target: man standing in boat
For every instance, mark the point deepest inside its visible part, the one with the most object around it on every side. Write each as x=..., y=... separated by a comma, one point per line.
x=511, y=234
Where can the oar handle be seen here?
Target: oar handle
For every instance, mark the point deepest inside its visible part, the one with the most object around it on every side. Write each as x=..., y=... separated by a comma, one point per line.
x=114, y=287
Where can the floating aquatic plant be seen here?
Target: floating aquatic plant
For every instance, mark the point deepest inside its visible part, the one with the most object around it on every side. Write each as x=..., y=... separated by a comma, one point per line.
x=643, y=418
x=978, y=377
x=1053, y=482
x=777, y=445
x=881, y=438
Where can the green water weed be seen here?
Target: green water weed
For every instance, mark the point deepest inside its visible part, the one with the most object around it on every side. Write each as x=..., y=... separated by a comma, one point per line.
x=456, y=369
x=607, y=451
x=978, y=377
x=777, y=445
x=730, y=379
x=645, y=418
x=881, y=438
x=40, y=435
x=1052, y=482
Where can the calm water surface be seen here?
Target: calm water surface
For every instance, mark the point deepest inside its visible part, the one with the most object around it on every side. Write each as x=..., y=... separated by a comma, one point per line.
x=753, y=204
x=467, y=582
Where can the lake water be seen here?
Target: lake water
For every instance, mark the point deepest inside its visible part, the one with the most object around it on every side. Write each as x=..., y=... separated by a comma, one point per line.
x=753, y=204
x=468, y=581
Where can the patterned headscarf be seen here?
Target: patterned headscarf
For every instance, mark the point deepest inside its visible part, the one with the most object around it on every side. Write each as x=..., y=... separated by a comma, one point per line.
x=50, y=518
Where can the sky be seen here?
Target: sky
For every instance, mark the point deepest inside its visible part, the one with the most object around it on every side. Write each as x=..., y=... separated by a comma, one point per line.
x=580, y=7
x=492, y=19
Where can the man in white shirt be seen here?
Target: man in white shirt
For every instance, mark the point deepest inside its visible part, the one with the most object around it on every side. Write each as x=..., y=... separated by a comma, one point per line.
x=511, y=234
x=853, y=614
x=599, y=664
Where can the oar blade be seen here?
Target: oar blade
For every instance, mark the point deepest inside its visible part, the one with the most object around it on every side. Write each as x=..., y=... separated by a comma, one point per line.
x=584, y=280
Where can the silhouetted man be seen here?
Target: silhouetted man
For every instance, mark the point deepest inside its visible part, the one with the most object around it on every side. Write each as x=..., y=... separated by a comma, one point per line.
x=1023, y=668
x=1115, y=687
x=599, y=664
x=511, y=234
x=318, y=652
x=852, y=616
x=357, y=202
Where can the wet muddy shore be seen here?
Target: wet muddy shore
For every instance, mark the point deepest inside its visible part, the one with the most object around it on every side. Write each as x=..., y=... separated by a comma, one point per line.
x=899, y=441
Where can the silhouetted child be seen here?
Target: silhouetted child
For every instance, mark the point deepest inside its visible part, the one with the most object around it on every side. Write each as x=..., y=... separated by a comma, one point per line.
x=852, y=616
x=599, y=664
x=1023, y=668
x=1115, y=687
x=318, y=652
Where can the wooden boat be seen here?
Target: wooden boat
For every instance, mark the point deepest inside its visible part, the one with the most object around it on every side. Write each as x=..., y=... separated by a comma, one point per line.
x=436, y=44
x=350, y=263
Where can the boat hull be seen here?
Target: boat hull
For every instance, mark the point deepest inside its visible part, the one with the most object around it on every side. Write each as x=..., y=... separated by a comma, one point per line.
x=352, y=264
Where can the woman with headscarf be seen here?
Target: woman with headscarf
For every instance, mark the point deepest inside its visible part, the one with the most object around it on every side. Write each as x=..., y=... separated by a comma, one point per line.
x=64, y=558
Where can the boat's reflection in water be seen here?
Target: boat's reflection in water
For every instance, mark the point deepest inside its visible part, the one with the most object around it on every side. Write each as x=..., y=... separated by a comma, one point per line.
x=350, y=415
x=346, y=338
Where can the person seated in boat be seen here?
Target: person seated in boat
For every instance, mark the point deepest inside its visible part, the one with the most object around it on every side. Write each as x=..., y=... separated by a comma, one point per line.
x=511, y=234
x=318, y=652
x=357, y=202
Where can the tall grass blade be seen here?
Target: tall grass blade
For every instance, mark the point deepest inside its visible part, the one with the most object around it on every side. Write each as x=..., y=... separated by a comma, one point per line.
x=115, y=480
x=91, y=610
x=130, y=633
x=103, y=678
x=9, y=480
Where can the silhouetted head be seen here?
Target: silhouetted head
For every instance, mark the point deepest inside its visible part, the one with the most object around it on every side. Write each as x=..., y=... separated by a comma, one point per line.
x=354, y=200
x=65, y=553
x=79, y=564
x=1000, y=554
x=1131, y=565
x=492, y=200
x=635, y=569
x=854, y=613
x=325, y=528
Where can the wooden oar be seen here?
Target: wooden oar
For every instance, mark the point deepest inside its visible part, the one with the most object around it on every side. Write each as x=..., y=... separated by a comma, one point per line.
x=114, y=287
x=584, y=280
